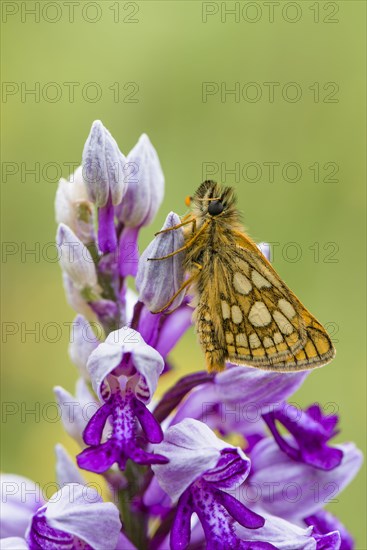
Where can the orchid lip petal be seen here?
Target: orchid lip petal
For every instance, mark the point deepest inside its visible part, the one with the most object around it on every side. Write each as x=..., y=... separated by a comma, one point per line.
x=181, y=528
x=239, y=512
x=310, y=431
x=122, y=443
x=150, y=426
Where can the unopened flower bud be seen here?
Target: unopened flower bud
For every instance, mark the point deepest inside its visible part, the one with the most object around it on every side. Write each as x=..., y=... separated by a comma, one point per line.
x=75, y=259
x=145, y=185
x=73, y=208
x=103, y=166
x=104, y=174
x=158, y=280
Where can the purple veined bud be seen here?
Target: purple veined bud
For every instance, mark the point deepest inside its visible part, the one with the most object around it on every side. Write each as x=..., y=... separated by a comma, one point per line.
x=104, y=175
x=145, y=185
x=73, y=208
x=141, y=201
x=76, y=261
x=157, y=281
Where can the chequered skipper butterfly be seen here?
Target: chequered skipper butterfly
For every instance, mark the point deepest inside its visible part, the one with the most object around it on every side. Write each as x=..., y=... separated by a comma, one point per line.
x=244, y=312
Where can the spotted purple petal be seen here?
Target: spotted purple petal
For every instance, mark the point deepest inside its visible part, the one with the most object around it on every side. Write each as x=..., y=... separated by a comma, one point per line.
x=122, y=443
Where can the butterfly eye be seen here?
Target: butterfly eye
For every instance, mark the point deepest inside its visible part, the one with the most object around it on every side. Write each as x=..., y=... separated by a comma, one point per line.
x=215, y=208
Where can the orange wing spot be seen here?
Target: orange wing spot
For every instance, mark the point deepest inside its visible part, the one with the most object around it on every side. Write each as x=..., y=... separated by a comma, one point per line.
x=258, y=352
x=310, y=349
x=292, y=339
x=282, y=347
x=300, y=356
x=243, y=351
x=322, y=345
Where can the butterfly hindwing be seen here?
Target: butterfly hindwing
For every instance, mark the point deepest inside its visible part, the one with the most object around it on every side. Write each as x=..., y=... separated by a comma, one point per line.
x=255, y=318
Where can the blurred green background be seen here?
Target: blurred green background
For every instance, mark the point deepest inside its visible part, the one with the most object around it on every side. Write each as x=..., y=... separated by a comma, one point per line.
x=162, y=55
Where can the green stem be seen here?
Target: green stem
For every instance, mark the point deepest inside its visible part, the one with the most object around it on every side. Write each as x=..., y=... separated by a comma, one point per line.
x=134, y=519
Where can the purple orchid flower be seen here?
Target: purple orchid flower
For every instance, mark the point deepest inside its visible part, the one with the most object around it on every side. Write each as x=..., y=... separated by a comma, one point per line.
x=201, y=469
x=124, y=372
x=204, y=476
x=74, y=517
x=294, y=476
x=279, y=482
x=311, y=431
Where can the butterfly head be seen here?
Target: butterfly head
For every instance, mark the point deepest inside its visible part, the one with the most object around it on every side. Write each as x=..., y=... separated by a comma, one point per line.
x=213, y=200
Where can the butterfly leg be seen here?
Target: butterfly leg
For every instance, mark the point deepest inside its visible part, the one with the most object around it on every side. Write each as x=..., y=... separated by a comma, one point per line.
x=186, y=246
x=192, y=220
x=182, y=287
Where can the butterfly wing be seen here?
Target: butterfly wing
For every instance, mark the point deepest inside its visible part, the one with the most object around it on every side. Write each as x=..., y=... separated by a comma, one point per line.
x=247, y=315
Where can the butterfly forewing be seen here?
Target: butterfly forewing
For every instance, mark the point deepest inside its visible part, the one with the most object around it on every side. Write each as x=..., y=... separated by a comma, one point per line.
x=247, y=310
